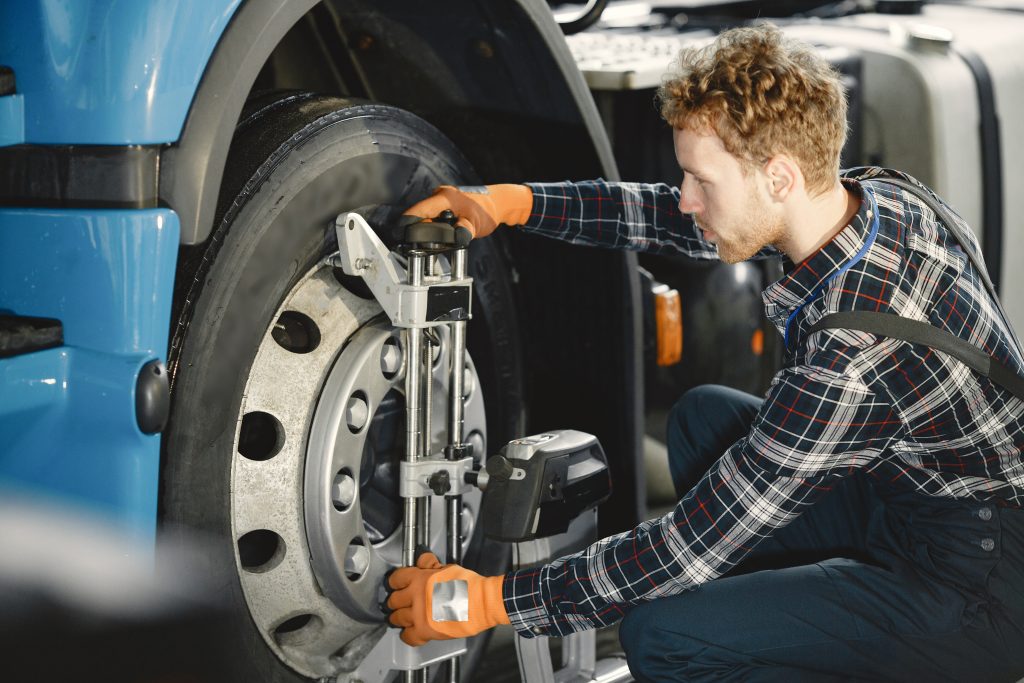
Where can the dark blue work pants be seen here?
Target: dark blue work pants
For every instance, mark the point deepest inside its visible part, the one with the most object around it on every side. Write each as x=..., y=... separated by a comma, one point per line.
x=871, y=583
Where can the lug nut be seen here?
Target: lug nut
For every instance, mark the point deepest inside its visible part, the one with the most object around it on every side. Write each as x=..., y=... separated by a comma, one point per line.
x=467, y=522
x=357, y=561
x=390, y=358
x=468, y=383
x=356, y=413
x=476, y=440
x=343, y=491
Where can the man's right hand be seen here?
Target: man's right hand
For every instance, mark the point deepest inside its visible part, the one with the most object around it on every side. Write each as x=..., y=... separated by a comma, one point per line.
x=468, y=603
x=480, y=208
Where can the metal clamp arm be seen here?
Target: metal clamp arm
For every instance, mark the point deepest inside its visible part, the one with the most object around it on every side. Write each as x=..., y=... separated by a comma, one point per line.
x=361, y=253
x=434, y=476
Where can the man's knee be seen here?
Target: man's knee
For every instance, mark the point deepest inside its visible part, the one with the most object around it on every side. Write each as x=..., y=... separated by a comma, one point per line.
x=683, y=422
x=635, y=638
x=656, y=651
x=688, y=405
x=659, y=648
x=691, y=445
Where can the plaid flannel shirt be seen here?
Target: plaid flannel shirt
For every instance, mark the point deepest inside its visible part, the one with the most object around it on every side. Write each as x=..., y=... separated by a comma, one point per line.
x=844, y=401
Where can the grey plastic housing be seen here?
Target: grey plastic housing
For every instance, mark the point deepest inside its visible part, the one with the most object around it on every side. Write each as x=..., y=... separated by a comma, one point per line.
x=554, y=477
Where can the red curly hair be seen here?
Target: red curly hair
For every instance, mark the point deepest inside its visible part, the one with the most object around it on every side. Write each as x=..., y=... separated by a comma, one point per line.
x=762, y=94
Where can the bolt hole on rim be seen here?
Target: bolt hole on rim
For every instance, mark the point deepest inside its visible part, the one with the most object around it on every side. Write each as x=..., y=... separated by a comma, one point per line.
x=296, y=332
x=298, y=630
x=260, y=550
x=261, y=436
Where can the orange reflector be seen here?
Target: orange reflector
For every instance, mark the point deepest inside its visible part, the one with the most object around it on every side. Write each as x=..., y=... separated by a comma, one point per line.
x=757, y=342
x=668, y=316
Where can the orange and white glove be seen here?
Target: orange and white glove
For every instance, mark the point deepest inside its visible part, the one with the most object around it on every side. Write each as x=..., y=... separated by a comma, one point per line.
x=481, y=208
x=432, y=601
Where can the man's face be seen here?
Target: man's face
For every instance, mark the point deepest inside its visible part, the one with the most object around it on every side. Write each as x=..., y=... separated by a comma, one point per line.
x=728, y=205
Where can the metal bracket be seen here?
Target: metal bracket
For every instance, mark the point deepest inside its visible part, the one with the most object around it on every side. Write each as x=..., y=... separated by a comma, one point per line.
x=579, y=650
x=391, y=654
x=427, y=477
x=362, y=254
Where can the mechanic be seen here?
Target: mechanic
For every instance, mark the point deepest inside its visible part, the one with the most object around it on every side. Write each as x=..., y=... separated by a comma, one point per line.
x=862, y=520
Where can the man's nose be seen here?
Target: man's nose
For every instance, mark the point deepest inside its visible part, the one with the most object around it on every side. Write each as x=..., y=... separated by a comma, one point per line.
x=688, y=201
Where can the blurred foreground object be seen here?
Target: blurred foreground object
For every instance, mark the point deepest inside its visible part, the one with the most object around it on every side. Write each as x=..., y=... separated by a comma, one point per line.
x=82, y=599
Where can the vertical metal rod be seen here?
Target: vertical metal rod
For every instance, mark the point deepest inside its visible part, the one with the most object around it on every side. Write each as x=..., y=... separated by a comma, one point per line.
x=458, y=355
x=427, y=363
x=456, y=414
x=425, y=504
x=415, y=676
x=456, y=421
x=413, y=427
x=453, y=512
x=413, y=423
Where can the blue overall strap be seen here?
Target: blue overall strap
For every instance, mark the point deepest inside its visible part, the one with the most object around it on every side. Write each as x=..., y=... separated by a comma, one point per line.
x=961, y=236
x=917, y=332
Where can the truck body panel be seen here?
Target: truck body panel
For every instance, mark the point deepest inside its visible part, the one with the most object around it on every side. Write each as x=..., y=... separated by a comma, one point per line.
x=68, y=415
x=111, y=72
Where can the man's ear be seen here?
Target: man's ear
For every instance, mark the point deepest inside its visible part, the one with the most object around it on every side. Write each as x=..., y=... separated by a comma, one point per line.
x=783, y=177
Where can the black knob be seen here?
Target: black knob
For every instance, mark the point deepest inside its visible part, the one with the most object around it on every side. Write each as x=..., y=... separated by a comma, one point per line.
x=499, y=467
x=440, y=482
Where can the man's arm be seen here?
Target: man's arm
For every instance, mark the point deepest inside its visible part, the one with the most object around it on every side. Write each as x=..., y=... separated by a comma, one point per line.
x=636, y=216
x=815, y=427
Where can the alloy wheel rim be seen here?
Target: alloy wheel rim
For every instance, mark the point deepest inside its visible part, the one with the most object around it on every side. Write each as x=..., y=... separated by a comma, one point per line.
x=310, y=569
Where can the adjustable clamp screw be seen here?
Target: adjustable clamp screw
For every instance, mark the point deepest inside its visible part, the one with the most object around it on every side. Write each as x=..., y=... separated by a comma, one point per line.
x=440, y=482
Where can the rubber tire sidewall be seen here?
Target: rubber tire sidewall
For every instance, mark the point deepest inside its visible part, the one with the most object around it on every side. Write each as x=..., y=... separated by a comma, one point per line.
x=271, y=233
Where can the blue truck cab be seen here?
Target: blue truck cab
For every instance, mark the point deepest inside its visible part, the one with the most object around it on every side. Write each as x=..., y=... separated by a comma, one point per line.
x=96, y=89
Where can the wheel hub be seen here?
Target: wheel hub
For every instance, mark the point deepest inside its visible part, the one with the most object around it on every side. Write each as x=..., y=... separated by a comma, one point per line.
x=315, y=511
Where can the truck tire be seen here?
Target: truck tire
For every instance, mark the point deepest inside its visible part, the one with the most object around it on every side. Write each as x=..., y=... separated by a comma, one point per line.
x=265, y=332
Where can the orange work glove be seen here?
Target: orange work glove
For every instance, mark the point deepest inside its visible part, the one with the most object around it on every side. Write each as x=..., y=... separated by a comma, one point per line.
x=432, y=601
x=480, y=208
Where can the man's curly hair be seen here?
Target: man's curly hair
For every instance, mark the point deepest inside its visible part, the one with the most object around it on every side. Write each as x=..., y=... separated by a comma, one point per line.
x=762, y=94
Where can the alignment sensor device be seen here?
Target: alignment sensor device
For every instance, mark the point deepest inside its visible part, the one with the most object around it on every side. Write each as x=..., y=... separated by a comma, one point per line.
x=538, y=484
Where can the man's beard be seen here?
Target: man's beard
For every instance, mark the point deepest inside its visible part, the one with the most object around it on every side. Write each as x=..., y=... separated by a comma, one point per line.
x=760, y=230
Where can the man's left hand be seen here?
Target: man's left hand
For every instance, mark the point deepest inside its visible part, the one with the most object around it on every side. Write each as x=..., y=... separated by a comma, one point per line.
x=432, y=601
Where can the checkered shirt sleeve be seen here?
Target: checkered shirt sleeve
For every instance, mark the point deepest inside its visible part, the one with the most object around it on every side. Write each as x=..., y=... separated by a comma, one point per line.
x=636, y=216
x=816, y=426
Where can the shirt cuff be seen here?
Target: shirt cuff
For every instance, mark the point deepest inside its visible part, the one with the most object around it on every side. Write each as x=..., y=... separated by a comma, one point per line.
x=550, y=211
x=524, y=604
